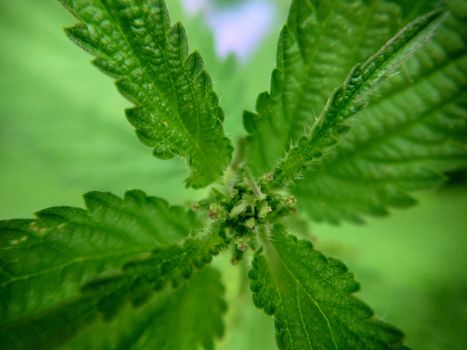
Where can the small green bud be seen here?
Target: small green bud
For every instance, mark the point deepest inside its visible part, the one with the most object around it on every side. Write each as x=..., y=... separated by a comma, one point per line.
x=238, y=252
x=267, y=178
x=239, y=209
x=250, y=223
x=290, y=201
x=217, y=211
x=264, y=210
x=233, y=193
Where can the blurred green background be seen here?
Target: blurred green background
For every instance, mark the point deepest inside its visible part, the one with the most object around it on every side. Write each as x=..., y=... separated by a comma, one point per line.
x=63, y=133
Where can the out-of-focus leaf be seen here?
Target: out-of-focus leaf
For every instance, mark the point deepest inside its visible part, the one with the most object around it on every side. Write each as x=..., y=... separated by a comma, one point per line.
x=414, y=129
x=186, y=319
x=118, y=249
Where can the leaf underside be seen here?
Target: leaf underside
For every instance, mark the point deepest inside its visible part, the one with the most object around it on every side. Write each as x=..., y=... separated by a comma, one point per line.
x=70, y=267
x=176, y=110
x=310, y=297
x=413, y=130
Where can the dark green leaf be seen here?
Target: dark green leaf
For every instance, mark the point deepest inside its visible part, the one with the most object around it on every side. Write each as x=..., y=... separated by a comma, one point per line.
x=414, y=129
x=176, y=111
x=351, y=97
x=119, y=250
x=311, y=299
x=320, y=43
x=185, y=319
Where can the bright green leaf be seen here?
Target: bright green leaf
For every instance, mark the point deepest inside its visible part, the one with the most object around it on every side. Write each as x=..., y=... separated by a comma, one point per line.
x=320, y=43
x=177, y=112
x=412, y=9
x=70, y=265
x=184, y=319
x=413, y=130
x=351, y=97
x=124, y=273
x=311, y=299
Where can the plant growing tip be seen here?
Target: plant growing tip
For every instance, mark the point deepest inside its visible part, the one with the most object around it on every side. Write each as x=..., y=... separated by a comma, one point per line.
x=124, y=272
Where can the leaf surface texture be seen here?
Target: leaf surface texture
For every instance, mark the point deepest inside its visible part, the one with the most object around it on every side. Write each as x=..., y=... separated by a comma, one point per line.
x=310, y=297
x=320, y=43
x=186, y=319
x=351, y=97
x=413, y=130
x=176, y=110
x=61, y=271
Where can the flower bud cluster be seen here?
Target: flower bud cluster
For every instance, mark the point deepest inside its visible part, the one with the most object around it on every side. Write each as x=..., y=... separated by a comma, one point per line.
x=242, y=210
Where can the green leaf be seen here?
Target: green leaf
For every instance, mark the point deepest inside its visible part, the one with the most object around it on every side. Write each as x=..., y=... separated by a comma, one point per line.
x=320, y=43
x=351, y=97
x=413, y=130
x=65, y=244
x=184, y=319
x=412, y=9
x=311, y=299
x=59, y=272
x=176, y=112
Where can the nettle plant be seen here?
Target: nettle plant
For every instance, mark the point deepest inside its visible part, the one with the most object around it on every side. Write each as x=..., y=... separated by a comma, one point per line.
x=333, y=138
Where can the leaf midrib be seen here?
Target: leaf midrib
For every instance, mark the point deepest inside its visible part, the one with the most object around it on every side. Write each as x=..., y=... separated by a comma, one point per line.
x=273, y=250
x=372, y=143
x=77, y=260
x=299, y=103
x=181, y=122
x=369, y=80
x=314, y=301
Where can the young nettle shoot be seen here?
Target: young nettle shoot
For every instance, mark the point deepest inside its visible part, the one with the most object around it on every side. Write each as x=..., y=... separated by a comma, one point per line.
x=367, y=103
